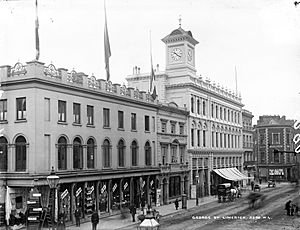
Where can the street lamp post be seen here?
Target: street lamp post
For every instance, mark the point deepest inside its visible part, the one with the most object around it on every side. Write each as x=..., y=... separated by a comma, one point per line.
x=53, y=180
x=197, y=189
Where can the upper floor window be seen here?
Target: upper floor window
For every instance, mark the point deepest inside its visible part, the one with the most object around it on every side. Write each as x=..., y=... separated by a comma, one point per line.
x=212, y=110
x=163, y=127
x=288, y=141
x=164, y=154
x=106, y=153
x=76, y=113
x=121, y=153
x=182, y=151
x=192, y=104
x=3, y=154
x=217, y=112
x=147, y=154
x=173, y=128
x=224, y=114
x=77, y=154
x=62, y=111
x=221, y=113
x=203, y=108
x=21, y=155
x=275, y=138
x=198, y=106
x=133, y=121
x=106, y=119
x=147, y=123
x=21, y=108
x=90, y=153
x=62, y=153
x=134, y=153
x=90, y=115
x=3, y=110
x=120, y=119
x=181, y=129
x=173, y=153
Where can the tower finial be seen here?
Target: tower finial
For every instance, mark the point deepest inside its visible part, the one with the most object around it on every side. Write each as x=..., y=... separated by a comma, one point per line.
x=179, y=20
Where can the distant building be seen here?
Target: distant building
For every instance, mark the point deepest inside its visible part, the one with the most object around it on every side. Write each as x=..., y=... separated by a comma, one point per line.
x=214, y=124
x=275, y=132
x=248, y=144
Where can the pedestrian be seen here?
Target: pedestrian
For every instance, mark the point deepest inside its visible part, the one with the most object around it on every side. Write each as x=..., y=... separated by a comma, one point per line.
x=133, y=212
x=288, y=207
x=176, y=204
x=292, y=209
x=94, y=220
x=252, y=185
x=77, y=217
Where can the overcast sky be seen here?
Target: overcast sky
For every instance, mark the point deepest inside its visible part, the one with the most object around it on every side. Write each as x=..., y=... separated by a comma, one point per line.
x=260, y=37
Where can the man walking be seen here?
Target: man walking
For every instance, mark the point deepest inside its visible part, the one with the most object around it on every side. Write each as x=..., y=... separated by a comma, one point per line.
x=176, y=204
x=288, y=207
x=133, y=212
x=95, y=220
x=77, y=217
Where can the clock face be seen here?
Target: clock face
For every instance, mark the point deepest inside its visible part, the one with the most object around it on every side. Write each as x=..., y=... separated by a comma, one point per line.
x=176, y=54
x=190, y=55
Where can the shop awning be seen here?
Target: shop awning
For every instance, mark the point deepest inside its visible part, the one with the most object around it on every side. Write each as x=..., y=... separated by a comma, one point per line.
x=232, y=174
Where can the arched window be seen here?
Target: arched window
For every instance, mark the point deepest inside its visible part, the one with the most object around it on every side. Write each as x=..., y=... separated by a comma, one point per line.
x=90, y=153
x=221, y=113
x=62, y=153
x=147, y=153
x=77, y=154
x=224, y=114
x=20, y=154
x=106, y=153
x=212, y=110
x=203, y=109
x=134, y=153
x=217, y=112
x=121, y=153
x=3, y=154
x=192, y=104
x=198, y=106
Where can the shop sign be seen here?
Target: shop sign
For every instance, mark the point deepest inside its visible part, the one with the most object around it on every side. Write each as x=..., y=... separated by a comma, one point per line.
x=115, y=186
x=158, y=196
x=193, y=191
x=276, y=172
x=79, y=190
x=64, y=194
x=90, y=190
x=103, y=188
x=125, y=185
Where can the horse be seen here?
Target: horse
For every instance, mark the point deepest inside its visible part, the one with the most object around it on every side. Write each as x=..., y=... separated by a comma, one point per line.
x=233, y=193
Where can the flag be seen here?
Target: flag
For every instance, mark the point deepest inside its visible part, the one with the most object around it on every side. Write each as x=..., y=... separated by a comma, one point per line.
x=37, y=40
x=152, y=76
x=8, y=206
x=107, y=52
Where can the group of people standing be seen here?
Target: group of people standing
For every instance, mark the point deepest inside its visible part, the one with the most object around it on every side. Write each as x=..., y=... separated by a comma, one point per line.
x=291, y=209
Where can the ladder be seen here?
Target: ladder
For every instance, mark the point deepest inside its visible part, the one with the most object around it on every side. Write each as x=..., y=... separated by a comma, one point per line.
x=47, y=212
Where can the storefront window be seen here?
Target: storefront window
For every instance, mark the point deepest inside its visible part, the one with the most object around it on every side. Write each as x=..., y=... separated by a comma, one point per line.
x=103, y=197
x=126, y=193
x=115, y=195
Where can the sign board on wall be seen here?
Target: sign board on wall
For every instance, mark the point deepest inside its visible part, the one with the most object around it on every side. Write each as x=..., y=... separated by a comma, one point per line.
x=276, y=172
x=193, y=191
x=158, y=196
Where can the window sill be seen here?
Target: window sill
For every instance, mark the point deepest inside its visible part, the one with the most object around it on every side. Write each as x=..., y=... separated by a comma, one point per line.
x=147, y=131
x=90, y=126
x=121, y=129
x=20, y=121
x=106, y=127
x=76, y=124
x=4, y=122
x=133, y=130
x=62, y=123
x=107, y=168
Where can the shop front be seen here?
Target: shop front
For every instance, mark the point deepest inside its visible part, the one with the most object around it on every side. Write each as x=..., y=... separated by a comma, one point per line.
x=103, y=197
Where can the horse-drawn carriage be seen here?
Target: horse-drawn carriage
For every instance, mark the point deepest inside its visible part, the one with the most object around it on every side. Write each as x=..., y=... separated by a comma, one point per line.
x=255, y=197
x=227, y=193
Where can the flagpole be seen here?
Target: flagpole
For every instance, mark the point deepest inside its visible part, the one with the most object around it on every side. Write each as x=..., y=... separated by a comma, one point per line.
x=152, y=75
x=107, y=52
x=37, y=40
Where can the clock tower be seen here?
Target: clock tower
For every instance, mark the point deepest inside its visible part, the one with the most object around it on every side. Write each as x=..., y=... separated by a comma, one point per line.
x=180, y=53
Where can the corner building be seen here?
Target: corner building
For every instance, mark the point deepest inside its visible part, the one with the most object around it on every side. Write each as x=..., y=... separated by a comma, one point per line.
x=99, y=137
x=214, y=123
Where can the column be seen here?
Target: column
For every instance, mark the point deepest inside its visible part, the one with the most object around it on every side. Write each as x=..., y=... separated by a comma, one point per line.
x=72, y=198
x=97, y=197
x=109, y=190
x=147, y=190
x=131, y=191
x=121, y=192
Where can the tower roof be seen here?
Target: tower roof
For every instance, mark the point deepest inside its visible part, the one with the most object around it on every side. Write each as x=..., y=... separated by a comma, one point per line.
x=178, y=35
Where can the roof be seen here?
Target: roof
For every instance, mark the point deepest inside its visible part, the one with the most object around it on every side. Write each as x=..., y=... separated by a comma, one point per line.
x=179, y=34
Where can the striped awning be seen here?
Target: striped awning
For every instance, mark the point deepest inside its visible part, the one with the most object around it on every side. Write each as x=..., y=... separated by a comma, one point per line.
x=232, y=174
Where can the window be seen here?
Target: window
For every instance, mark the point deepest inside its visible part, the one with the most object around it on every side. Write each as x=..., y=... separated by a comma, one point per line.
x=133, y=121
x=217, y=110
x=174, y=153
x=262, y=157
x=134, y=153
x=212, y=139
x=217, y=139
x=62, y=153
x=153, y=124
x=62, y=111
x=173, y=128
x=121, y=153
x=192, y=137
x=221, y=140
x=221, y=113
x=21, y=108
x=192, y=104
x=147, y=123
x=163, y=127
x=120, y=119
x=90, y=114
x=20, y=154
x=204, y=138
x=225, y=139
x=90, y=153
x=3, y=110
x=288, y=141
x=147, y=154
x=106, y=120
x=182, y=151
x=106, y=153
x=224, y=114
x=3, y=154
x=198, y=106
x=275, y=138
x=212, y=110
x=181, y=129
x=198, y=138
x=47, y=109
x=77, y=154
x=76, y=113
x=164, y=150
x=203, y=109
